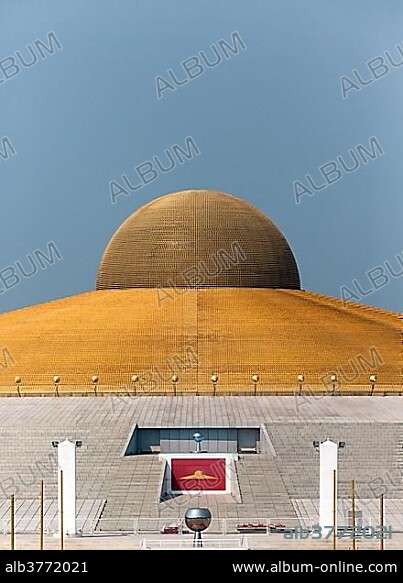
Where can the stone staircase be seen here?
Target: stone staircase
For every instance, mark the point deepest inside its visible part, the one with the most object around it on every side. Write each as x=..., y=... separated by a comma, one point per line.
x=262, y=489
x=372, y=455
x=132, y=502
x=133, y=493
x=262, y=497
x=126, y=489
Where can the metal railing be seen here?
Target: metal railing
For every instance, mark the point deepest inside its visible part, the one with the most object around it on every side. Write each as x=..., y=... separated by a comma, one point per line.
x=313, y=390
x=238, y=543
x=221, y=526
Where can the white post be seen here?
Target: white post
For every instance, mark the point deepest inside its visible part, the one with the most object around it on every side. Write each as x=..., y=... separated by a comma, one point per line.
x=67, y=462
x=328, y=463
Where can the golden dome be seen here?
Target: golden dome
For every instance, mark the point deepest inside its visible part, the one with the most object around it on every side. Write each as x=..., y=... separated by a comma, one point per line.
x=198, y=239
x=225, y=335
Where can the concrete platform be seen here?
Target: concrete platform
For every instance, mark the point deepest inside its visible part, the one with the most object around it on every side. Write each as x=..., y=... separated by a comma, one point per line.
x=279, y=484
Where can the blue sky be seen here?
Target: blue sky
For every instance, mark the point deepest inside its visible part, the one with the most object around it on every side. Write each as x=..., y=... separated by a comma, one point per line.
x=262, y=119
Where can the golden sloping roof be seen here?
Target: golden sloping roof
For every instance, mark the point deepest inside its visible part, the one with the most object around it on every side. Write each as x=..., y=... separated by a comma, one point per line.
x=235, y=333
x=198, y=238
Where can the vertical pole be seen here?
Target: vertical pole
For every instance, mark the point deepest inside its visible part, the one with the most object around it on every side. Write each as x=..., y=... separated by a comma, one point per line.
x=41, y=515
x=381, y=521
x=353, y=513
x=198, y=541
x=12, y=525
x=61, y=512
x=334, y=509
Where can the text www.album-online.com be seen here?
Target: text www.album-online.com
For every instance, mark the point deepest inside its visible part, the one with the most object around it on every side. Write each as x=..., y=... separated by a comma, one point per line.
x=339, y=567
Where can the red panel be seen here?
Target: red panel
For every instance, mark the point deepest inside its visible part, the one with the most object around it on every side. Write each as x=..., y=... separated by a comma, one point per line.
x=198, y=474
